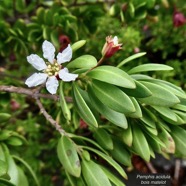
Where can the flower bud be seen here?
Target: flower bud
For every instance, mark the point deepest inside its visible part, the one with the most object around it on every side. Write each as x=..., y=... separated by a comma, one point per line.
x=111, y=46
x=178, y=19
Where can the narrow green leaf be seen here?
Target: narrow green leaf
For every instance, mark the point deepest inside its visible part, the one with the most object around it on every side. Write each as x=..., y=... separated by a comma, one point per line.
x=112, y=177
x=54, y=38
x=140, y=144
x=178, y=135
x=5, y=134
x=113, y=97
x=148, y=118
x=165, y=111
x=89, y=141
x=127, y=136
x=119, y=77
x=169, y=86
x=75, y=181
x=4, y=117
x=63, y=103
x=107, y=158
x=138, y=112
x=103, y=138
x=22, y=178
x=28, y=168
x=120, y=153
x=116, y=118
x=149, y=67
x=68, y=156
x=78, y=45
x=93, y=174
x=131, y=58
x=3, y=168
x=83, y=109
x=14, y=141
x=141, y=91
x=84, y=61
x=160, y=96
x=6, y=182
x=167, y=139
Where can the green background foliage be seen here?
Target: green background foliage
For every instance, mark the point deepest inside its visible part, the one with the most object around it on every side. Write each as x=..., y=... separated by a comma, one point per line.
x=125, y=107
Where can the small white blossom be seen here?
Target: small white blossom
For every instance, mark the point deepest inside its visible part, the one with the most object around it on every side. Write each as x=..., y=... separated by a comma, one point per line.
x=51, y=70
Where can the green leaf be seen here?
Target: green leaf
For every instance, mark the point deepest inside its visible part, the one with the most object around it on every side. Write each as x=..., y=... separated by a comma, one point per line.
x=178, y=135
x=112, y=75
x=22, y=178
x=4, y=117
x=20, y=5
x=141, y=91
x=165, y=111
x=148, y=118
x=93, y=174
x=68, y=156
x=131, y=9
x=169, y=86
x=127, y=136
x=103, y=138
x=5, y=134
x=6, y=182
x=88, y=140
x=82, y=107
x=14, y=141
x=84, y=61
x=131, y=58
x=78, y=45
x=167, y=139
x=107, y=158
x=63, y=103
x=54, y=38
x=138, y=112
x=75, y=181
x=149, y=67
x=3, y=168
x=28, y=168
x=113, y=97
x=140, y=144
x=160, y=96
x=116, y=118
x=120, y=154
x=112, y=177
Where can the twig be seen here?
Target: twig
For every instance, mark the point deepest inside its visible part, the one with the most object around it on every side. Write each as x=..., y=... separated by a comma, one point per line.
x=151, y=167
x=49, y=117
x=36, y=95
x=31, y=92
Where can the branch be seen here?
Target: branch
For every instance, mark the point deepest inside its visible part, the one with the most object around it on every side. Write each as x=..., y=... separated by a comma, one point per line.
x=31, y=92
x=36, y=95
x=49, y=117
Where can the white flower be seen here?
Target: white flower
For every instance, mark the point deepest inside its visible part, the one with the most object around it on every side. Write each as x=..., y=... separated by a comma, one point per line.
x=52, y=69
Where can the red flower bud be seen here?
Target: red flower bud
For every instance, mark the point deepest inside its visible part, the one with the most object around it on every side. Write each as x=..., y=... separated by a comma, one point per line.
x=83, y=124
x=63, y=42
x=111, y=46
x=178, y=19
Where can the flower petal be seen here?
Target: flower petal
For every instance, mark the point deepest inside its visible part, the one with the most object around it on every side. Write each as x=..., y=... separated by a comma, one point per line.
x=48, y=51
x=52, y=84
x=36, y=79
x=65, y=56
x=66, y=76
x=37, y=62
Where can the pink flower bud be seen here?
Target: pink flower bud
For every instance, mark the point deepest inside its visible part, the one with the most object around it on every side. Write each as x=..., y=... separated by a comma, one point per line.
x=178, y=19
x=111, y=46
x=136, y=50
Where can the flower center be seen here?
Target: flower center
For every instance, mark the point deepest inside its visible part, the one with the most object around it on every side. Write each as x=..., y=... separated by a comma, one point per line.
x=52, y=69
